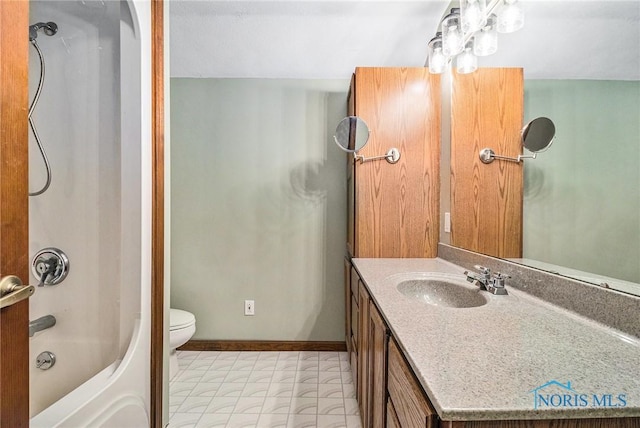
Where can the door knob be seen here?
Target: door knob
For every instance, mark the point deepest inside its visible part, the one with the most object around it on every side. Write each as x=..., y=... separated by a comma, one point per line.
x=12, y=291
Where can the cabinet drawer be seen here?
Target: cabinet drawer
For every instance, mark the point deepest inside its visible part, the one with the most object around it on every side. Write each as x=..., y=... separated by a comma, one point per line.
x=354, y=282
x=411, y=405
x=354, y=319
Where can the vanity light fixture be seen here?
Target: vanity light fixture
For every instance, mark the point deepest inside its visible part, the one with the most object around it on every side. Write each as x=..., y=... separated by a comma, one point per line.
x=466, y=61
x=471, y=31
x=452, y=34
x=485, y=41
x=437, y=59
x=473, y=14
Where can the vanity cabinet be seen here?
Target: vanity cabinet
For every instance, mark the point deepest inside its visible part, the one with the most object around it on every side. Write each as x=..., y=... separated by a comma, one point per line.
x=393, y=209
x=409, y=406
x=370, y=350
x=388, y=391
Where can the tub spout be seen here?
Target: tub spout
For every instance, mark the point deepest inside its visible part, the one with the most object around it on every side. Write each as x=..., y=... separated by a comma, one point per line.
x=41, y=323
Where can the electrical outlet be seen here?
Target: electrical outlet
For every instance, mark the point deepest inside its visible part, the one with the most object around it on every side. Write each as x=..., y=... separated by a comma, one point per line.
x=447, y=222
x=249, y=307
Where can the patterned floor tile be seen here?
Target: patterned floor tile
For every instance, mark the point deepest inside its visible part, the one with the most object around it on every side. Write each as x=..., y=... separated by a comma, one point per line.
x=273, y=420
x=302, y=421
x=213, y=420
x=243, y=420
x=184, y=420
x=194, y=405
x=263, y=389
x=332, y=421
x=224, y=405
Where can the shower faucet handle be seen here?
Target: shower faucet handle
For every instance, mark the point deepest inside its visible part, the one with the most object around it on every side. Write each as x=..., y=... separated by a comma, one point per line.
x=50, y=266
x=47, y=268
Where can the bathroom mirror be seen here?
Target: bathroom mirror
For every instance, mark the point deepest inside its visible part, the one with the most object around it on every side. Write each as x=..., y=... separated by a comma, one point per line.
x=581, y=212
x=538, y=134
x=352, y=134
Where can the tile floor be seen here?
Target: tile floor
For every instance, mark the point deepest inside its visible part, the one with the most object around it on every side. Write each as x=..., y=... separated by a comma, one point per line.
x=263, y=389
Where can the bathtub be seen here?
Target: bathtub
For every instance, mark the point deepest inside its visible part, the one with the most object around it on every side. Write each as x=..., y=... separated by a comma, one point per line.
x=94, y=121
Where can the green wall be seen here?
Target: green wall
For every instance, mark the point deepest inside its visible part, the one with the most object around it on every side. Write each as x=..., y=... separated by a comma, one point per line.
x=258, y=207
x=582, y=196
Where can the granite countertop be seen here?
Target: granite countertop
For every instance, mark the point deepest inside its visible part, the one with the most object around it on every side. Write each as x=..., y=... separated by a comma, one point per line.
x=491, y=362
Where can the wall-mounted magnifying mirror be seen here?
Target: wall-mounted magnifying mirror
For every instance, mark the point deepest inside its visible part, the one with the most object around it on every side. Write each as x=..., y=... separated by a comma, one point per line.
x=352, y=134
x=537, y=136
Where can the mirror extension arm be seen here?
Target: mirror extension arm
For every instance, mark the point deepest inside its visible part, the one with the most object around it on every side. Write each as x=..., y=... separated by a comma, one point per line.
x=392, y=156
x=487, y=156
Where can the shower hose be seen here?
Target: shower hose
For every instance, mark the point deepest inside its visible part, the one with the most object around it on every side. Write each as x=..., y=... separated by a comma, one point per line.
x=33, y=126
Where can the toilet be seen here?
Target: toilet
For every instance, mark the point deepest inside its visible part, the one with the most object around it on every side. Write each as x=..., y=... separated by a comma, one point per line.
x=182, y=327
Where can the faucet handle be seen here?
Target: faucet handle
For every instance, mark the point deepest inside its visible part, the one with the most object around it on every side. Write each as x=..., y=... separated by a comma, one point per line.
x=482, y=269
x=499, y=278
x=485, y=272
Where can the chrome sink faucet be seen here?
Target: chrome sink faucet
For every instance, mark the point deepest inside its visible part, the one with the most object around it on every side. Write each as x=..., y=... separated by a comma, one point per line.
x=494, y=284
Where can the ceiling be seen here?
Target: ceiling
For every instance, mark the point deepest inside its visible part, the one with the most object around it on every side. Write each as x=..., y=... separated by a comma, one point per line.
x=323, y=39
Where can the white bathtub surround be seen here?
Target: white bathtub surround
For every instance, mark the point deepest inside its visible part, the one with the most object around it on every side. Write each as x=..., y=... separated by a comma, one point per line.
x=264, y=389
x=97, y=211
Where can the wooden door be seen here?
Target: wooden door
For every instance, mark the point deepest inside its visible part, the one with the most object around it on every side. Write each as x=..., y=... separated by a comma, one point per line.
x=14, y=210
x=486, y=199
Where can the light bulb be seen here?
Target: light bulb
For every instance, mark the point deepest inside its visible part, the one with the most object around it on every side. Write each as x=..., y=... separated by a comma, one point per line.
x=452, y=36
x=467, y=62
x=511, y=17
x=437, y=60
x=485, y=42
x=472, y=13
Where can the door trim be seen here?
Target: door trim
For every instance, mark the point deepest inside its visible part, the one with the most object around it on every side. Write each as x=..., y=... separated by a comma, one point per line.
x=157, y=204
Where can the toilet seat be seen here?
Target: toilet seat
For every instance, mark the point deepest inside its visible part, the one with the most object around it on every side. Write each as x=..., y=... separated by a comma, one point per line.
x=179, y=319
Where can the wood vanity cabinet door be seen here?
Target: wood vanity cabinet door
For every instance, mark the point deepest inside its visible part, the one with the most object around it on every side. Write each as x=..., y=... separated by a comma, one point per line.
x=411, y=405
x=355, y=278
x=397, y=207
x=347, y=303
x=363, y=354
x=354, y=314
x=392, y=418
x=377, y=367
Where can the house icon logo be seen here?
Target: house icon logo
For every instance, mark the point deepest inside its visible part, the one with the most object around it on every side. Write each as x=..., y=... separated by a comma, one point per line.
x=541, y=395
x=554, y=394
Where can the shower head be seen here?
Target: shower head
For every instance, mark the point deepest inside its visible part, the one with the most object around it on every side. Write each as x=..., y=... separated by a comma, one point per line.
x=48, y=28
